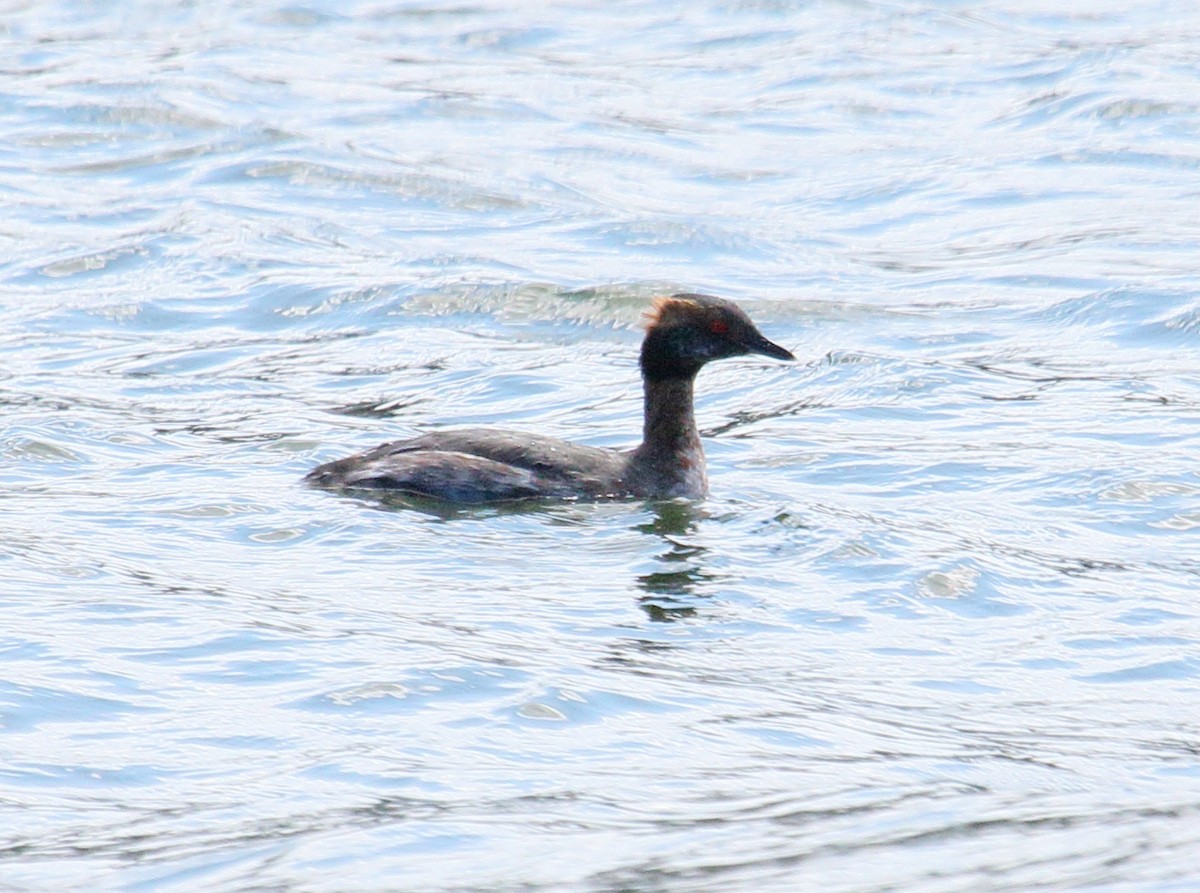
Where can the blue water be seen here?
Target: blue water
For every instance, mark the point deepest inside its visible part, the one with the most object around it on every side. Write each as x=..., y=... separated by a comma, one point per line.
x=935, y=630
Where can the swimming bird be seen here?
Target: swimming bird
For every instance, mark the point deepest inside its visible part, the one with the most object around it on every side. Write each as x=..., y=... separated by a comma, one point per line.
x=482, y=465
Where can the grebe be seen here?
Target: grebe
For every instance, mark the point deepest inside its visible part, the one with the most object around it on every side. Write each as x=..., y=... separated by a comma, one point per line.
x=480, y=465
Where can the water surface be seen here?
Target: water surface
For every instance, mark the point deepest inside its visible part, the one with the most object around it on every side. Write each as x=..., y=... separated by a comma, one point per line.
x=936, y=628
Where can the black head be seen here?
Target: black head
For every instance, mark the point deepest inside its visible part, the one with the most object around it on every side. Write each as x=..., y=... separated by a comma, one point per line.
x=683, y=332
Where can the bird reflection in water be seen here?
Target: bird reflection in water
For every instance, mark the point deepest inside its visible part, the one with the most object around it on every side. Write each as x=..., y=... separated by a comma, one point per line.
x=671, y=591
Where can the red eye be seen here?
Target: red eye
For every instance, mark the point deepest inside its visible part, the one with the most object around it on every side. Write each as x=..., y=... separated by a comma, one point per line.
x=718, y=327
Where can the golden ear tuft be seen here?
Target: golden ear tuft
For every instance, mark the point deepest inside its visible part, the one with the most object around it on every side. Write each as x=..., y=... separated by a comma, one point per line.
x=651, y=317
x=662, y=307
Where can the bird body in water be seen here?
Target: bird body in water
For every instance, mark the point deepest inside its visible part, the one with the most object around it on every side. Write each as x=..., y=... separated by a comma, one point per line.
x=481, y=465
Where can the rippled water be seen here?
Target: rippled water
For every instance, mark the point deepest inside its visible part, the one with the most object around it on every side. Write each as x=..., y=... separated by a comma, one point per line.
x=937, y=627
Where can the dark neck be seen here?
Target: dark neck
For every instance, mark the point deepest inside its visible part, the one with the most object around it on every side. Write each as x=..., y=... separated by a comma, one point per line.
x=664, y=353
x=670, y=422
